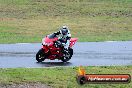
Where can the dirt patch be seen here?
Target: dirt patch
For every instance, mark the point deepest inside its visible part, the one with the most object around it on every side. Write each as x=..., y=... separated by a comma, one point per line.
x=25, y=85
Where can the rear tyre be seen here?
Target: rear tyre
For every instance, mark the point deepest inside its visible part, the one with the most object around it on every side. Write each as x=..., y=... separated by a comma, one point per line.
x=67, y=56
x=40, y=56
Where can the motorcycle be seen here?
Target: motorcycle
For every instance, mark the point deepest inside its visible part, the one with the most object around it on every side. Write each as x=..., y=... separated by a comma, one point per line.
x=53, y=49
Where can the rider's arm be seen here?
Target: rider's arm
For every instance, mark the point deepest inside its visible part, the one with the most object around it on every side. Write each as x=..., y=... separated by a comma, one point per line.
x=57, y=33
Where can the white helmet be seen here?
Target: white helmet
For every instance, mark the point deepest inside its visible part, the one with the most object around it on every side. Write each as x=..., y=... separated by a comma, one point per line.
x=64, y=30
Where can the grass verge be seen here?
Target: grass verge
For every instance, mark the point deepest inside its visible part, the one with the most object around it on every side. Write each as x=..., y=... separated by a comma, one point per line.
x=61, y=77
x=88, y=20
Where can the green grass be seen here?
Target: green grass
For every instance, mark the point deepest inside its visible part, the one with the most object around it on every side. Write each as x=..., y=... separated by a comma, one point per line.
x=89, y=20
x=61, y=77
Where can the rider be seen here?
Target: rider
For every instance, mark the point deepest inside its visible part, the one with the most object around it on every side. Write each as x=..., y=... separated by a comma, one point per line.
x=64, y=36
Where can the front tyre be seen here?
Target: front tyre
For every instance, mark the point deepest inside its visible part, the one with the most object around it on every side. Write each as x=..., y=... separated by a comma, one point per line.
x=40, y=56
x=67, y=55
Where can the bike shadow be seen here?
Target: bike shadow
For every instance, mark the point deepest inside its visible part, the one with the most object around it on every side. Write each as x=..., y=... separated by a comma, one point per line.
x=52, y=64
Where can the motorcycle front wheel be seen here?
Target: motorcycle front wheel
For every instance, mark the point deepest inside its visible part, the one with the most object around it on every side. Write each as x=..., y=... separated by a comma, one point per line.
x=40, y=56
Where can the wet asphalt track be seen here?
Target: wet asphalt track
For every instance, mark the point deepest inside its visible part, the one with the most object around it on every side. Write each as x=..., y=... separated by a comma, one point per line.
x=86, y=54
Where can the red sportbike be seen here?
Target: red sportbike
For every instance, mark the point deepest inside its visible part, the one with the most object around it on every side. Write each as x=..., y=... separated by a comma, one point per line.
x=53, y=49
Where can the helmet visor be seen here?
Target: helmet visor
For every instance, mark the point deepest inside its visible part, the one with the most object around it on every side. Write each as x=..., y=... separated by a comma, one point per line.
x=64, y=31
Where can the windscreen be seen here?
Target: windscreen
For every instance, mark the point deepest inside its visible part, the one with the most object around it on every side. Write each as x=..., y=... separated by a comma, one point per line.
x=51, y=36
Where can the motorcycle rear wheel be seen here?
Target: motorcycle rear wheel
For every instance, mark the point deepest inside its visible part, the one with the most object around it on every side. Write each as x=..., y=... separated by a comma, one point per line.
x=67, y=56
x=40, y=56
